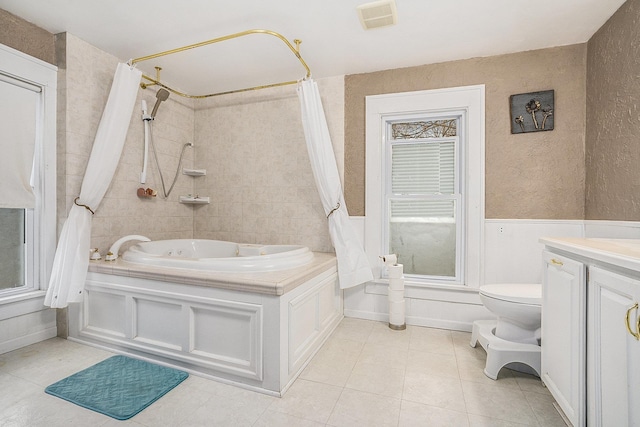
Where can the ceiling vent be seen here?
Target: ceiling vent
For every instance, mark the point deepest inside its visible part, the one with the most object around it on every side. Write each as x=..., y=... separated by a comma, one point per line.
x=378, y=14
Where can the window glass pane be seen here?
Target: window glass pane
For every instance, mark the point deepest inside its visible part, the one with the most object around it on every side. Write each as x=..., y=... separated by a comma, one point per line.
x=423, y=168
x=424, y=129
x=423, y=235
x=12, y=251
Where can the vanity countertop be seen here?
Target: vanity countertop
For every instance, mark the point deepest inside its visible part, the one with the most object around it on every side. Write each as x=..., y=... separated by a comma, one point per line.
x=623, y=253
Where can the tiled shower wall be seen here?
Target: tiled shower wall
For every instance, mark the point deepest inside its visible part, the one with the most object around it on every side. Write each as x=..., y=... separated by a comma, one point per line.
x=252, y=145
x=258, y=171
x=85, y=78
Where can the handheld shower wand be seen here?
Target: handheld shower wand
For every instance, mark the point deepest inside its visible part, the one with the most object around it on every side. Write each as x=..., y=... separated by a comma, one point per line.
x=161, y=95
x=145, y=119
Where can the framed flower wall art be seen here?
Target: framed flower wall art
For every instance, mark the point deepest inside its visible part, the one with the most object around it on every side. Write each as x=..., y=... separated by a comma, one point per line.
x=532, y=112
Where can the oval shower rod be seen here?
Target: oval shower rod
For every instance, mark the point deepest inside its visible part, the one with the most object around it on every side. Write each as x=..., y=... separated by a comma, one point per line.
x=156, y=81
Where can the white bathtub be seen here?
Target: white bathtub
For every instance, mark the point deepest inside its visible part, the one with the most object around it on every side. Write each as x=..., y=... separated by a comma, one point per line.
x=217, y=255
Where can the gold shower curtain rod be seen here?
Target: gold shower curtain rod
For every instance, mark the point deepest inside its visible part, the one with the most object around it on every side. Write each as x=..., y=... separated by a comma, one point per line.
x=156, y=81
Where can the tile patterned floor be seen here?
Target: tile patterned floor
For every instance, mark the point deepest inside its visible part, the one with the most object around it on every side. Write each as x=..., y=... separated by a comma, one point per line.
x=364, y=375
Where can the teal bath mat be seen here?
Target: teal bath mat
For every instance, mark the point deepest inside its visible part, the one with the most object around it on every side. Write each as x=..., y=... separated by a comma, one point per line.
x=119, y=386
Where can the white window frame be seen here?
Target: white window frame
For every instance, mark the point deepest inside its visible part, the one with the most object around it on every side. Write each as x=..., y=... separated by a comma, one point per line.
x=459, y=185
x=40, y=222
x=467, y=99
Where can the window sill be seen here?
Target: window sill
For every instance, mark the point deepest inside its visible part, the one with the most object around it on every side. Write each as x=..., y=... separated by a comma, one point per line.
x=22, y=303
x=429, y=291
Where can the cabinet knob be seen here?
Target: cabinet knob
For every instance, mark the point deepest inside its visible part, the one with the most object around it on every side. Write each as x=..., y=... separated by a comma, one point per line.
x=635, y=334
x=556, y=262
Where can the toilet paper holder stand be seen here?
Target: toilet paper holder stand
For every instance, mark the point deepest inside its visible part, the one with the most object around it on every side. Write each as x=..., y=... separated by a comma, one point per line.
x=395, y=292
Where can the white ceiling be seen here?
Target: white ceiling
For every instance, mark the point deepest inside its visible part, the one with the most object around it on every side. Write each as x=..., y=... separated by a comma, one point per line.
x=334, y=42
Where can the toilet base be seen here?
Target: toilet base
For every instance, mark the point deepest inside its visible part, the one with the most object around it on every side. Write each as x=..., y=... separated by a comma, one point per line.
x=501, y=352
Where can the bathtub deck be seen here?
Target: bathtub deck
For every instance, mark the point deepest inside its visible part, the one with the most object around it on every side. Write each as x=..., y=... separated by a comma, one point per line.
x=268, y=283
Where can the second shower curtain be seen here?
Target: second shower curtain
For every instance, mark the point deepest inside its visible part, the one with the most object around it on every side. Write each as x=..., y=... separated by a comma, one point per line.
x=353, y=265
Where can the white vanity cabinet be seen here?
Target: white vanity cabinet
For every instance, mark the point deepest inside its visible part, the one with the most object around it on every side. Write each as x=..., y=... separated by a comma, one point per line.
x=591, y=329
x=613, y=374
x=563, y=334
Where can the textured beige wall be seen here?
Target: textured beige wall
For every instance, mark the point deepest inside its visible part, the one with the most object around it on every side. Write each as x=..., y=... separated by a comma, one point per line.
x=21, y=35
x=537, y=175
x=84, y=81
x=613, y=118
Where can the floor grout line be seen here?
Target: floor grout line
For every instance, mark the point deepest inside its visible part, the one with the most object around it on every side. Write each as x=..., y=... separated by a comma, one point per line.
x=355, y=336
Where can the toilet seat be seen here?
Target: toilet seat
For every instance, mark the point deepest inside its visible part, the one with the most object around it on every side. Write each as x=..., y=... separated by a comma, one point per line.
x=530, y=294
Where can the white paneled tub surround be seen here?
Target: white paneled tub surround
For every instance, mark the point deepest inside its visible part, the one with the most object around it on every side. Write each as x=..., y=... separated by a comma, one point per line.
x=255, y=330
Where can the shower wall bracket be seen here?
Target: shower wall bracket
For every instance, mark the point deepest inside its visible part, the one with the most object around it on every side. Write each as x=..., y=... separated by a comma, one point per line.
x=194, y=200
x=146, y=85
x=194, y=172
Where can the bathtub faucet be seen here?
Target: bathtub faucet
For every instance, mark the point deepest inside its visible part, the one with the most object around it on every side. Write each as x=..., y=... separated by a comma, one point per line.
x=112, y=255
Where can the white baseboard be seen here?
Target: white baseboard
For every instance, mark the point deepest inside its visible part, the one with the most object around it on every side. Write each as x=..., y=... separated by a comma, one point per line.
x=432, y=314
x=23, y=341
x=451, y=325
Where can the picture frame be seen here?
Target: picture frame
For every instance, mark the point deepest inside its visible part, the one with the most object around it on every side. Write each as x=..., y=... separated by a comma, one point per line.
x=532, y=112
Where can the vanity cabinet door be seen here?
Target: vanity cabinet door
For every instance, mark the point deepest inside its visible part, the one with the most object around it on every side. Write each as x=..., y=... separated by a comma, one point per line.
x=613, y=352
x=563, y=334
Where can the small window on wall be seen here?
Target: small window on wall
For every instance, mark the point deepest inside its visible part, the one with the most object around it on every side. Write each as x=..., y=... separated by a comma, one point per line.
x=423, y=196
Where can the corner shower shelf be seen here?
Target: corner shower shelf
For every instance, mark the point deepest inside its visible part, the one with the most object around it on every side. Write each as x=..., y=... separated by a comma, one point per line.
x=191, y=200
x=194, y=172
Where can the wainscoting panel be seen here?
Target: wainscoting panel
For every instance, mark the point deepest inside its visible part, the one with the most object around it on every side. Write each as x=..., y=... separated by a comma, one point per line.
x=512, y=254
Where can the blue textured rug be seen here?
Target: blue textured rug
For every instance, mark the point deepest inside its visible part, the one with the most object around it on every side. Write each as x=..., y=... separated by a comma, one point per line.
x=119, y=386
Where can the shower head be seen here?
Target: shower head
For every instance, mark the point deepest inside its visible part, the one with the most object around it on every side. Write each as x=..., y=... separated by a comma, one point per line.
x=161, y=95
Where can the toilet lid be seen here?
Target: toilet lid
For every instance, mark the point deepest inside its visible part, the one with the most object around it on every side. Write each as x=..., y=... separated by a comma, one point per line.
x=515, y=292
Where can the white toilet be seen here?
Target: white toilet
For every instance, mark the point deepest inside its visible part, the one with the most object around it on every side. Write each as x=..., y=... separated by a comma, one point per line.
x=515, y=336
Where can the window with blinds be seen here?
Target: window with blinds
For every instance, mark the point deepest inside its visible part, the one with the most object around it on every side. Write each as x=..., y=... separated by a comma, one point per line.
x=27, y=178
x=423, y=195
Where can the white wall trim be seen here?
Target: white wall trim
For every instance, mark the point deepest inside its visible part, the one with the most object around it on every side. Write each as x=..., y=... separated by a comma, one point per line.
x=612, y=229
x=470, y=99
x=24, y=307
x=20, y=304
x=448, y=293
x=25, y=340
x=512, y=254
x=537, y=221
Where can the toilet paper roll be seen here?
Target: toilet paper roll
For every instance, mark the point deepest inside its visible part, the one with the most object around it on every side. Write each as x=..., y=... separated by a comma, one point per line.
x=396, y=319
x=396, y=284
x=396, y=295
x=395, y=271
x=397, y=307
x=397, y=313
x=389, y=259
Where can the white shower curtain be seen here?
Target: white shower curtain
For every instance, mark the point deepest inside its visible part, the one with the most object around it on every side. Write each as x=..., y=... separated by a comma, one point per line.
x=353, y=265
x=72, y=255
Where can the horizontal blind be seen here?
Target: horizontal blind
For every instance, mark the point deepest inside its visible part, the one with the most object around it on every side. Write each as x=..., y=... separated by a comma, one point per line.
x=423, y=168
x=419, y=208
